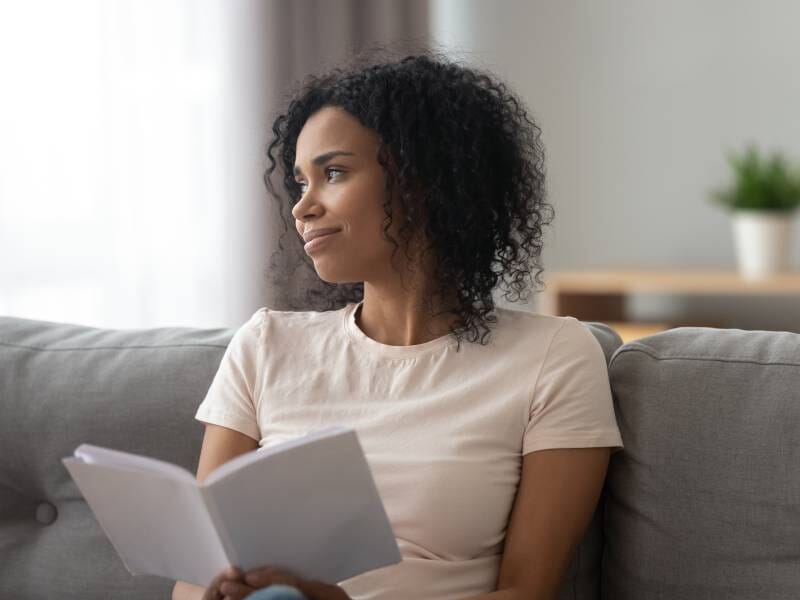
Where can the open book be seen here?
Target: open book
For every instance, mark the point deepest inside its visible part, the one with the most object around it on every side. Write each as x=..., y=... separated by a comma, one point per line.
x=308, y=505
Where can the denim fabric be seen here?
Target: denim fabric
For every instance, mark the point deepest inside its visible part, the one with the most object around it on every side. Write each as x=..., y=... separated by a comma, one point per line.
x=277, y=592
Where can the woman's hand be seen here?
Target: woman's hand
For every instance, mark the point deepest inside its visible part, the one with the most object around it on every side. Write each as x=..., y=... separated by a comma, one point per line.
x=233, y=584
x=232, y=576
x=267, y=576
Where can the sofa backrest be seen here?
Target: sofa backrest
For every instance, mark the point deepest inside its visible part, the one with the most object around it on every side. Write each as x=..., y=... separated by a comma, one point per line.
x=704, y=501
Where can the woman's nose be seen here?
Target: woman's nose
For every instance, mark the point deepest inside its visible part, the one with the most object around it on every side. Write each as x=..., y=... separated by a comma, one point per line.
x=306, y=207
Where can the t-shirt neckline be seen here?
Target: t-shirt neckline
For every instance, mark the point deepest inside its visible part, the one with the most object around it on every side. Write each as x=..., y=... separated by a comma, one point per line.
x=362, y=340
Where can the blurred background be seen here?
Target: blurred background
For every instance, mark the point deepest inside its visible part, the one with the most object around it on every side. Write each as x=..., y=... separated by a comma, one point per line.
x=132, y=138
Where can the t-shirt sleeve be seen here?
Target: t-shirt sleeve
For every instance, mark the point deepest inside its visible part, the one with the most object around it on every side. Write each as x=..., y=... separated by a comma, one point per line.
x=571, y=404
x=231, y=398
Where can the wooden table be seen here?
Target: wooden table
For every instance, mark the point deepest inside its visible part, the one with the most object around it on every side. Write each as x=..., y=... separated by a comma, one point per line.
x=601, y=294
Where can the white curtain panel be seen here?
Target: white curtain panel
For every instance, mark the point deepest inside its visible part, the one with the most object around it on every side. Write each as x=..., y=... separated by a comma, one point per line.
x=112, y=191
x=132, y=138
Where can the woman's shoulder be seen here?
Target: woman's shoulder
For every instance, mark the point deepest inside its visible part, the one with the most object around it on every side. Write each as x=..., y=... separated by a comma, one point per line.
x=523, y=327
x=515, y=318
x=297, y=322
x=285, y=328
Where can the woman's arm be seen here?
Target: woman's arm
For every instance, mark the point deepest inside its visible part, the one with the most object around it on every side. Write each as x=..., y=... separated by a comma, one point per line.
x=558, y=492
x=220, y=444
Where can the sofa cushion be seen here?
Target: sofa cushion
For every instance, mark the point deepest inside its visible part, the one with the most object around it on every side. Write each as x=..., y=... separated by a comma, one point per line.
x=704, y=502
x=62, y=385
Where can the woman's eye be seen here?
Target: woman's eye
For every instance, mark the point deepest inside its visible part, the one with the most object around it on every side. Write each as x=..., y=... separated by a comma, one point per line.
x=301, y=184
x=333, y=169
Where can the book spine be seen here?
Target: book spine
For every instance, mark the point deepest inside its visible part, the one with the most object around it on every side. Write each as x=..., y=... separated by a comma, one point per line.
x=219, y=528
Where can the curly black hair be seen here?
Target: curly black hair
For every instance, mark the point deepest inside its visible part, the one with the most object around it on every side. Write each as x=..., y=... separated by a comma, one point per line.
x=469, y=164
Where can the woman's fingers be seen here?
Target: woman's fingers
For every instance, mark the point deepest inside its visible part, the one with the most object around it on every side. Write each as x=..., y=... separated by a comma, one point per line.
x=259, y=578
x=314, y=590
x=235, y=591
x=213, y=591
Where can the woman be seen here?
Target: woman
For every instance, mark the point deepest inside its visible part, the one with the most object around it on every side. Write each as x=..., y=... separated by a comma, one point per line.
x=424, y=181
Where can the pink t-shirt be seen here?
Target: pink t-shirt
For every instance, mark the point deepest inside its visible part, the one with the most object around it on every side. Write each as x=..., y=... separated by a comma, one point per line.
x=444, y=432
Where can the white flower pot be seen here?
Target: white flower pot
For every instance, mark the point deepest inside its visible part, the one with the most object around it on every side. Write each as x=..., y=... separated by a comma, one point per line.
x=762, y=242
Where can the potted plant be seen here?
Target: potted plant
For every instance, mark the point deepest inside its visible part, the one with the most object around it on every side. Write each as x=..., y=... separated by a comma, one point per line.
x=762, y=200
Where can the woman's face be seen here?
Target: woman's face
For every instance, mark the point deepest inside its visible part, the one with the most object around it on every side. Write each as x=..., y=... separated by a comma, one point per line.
x=343, y=192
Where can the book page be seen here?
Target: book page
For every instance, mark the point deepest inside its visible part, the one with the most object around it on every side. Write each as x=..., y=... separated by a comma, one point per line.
x=158, y=525
x=310, y=506
x=106, y=456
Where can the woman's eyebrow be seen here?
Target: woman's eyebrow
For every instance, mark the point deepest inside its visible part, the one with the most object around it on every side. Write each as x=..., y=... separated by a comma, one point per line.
x=323, y=158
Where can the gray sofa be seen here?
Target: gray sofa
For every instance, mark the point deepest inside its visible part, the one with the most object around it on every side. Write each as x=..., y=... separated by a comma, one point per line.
x=703, y=503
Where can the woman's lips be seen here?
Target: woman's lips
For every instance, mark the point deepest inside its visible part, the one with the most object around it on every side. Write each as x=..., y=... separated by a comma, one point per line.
x=318, y=242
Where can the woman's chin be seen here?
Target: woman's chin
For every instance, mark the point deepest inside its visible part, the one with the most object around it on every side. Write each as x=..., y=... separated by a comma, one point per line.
x=328, y=276
x=336, y=277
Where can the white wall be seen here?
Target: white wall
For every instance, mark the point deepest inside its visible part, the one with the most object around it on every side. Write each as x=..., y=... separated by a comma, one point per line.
x=638, y=101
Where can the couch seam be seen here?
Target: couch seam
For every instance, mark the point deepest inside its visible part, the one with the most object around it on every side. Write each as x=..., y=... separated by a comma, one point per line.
x=703, y=358
x=137, y=347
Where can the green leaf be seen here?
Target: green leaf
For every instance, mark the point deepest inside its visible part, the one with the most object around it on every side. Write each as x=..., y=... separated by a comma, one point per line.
x=759, y=182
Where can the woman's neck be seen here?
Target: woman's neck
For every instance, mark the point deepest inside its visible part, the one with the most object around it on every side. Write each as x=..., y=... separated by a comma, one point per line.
x=400, y=321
